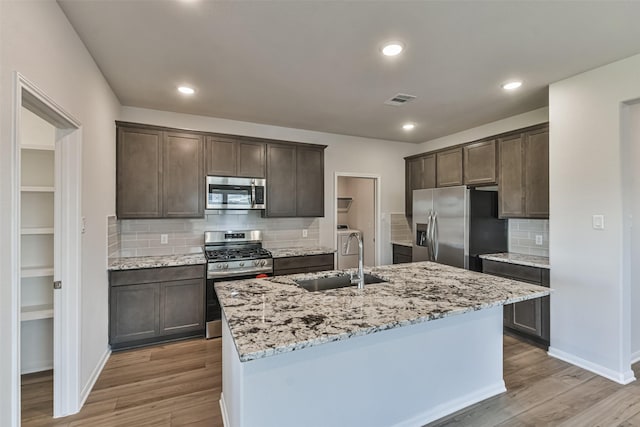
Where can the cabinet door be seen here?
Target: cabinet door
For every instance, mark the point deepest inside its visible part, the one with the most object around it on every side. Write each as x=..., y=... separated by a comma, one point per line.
x=419, y=173
x=134, y=312
x=251, y=159
x=449, y=168
x=221, y=154
x=138, y=173
x=510, y=178
x=527, y=317
x=183, y=176
x=181, y=306
x=536, y=154
x=309, y=182
x=480, y=163
x=281, y=181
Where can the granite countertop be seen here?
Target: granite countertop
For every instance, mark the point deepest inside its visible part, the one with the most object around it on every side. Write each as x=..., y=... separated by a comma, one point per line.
x=299, y=251
x=521, y=259
x=273, y=315
x=408, y=243
x=155, y=261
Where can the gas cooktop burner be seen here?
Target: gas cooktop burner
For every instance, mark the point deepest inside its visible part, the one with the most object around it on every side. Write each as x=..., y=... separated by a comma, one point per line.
x=225, y=254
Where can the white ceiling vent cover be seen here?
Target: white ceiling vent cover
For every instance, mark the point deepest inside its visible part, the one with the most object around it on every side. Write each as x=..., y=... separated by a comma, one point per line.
x=399, y=99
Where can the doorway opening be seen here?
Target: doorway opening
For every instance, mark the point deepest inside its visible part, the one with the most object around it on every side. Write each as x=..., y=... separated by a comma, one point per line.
x=45, y=261
x=357, y=210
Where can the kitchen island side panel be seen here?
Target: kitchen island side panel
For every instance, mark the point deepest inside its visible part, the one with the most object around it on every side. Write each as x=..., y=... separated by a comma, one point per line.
x=404, y=376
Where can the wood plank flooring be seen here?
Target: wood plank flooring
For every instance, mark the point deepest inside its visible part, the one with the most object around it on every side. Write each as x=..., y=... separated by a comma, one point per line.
x=179, y=384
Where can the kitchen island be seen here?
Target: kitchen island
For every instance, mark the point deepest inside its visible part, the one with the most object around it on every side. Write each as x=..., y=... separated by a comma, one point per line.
x=406, y=352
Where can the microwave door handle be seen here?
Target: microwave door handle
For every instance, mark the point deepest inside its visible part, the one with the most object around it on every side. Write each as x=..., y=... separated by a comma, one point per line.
x=253, y=195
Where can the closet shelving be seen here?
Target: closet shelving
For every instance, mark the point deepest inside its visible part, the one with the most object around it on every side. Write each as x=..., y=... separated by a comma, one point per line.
x=37, y=192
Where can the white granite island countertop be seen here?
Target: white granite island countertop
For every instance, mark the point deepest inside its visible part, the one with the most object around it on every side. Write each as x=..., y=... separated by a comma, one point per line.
x=274, y=315
x=299, y=251
x=133, y=263
x=520, y=259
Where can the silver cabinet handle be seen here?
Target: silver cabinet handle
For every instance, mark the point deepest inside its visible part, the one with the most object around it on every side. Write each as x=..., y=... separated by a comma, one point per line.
x=434, y=236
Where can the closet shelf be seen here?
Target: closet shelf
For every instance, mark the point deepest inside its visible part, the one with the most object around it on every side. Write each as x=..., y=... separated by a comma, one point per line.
x=35, y=312
x=38, y=147
x=37, y=189
x=36, y=230
x=36, y=271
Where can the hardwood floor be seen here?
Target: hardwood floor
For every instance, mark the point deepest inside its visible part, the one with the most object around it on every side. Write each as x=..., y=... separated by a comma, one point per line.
x=179, y=384
x=176, y=384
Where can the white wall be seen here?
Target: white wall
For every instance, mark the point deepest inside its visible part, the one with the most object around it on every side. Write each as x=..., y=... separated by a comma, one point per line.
x=541, y=115
x=590, y=319
x=343, y=154
x=38, y=41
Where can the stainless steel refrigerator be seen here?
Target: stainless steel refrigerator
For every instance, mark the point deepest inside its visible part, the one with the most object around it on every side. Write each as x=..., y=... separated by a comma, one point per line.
x=453, y=225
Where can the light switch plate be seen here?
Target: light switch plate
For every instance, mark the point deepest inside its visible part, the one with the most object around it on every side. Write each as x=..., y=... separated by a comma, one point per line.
x=164, y=239
x=598, y=222
x=304, y=233
x=538, y=239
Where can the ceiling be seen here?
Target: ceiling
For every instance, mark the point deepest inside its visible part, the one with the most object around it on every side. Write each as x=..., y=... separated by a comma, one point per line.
x=317, y=65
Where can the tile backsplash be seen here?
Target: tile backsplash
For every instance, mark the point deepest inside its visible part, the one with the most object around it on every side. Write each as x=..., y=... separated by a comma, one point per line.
x=113, y=237
x=143, y=237
x=522, y=236
x=400, y=228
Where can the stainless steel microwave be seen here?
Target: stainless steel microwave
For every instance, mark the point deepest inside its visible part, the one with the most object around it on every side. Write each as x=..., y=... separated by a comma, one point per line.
x=225, y=192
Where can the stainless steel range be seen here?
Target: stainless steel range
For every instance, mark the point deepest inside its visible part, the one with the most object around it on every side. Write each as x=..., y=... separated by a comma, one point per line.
x=231, y=255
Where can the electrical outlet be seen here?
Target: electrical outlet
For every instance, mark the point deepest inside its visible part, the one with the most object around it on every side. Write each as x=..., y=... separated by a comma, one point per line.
x=538, y=239
x=304, y=233
x=164, y=239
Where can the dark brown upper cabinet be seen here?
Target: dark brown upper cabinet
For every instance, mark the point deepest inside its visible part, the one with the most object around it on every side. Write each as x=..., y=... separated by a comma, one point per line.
x=449, y=167
x=420, y=173
x=139, y=173
x=228, y=156
x=295, y=180
x=479, y=163
x=183, y=178
x=159, y=174
x=523, y=179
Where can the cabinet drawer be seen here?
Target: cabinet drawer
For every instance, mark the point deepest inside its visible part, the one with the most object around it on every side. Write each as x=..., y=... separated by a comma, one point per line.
x=302, y=264
x=159, y=274
x=513, y=271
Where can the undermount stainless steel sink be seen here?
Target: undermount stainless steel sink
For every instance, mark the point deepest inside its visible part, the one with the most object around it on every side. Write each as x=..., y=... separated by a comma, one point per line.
x=334, y=282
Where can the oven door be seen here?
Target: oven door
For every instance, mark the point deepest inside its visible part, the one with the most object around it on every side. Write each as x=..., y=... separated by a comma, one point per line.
x=214, y=310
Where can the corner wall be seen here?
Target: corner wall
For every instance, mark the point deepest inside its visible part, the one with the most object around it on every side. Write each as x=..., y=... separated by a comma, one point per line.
x=590, y=306
x=38, y=41
x=343, y=154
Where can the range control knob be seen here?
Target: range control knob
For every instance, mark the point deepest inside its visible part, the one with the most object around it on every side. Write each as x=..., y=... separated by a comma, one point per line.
x=225, y=266
x=263, y=262
x=256, y=262
x=241, y=264
x=219, y=266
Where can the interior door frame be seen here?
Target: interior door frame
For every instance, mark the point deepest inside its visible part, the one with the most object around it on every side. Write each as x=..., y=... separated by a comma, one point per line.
x=376, y=184
x=67, y=247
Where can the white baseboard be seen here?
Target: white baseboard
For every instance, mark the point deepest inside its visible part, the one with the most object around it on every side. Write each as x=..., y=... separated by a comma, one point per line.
x=223, y=410
x=635, y=357
x=86, y=390
x=39, y=366
x=454, y=405
x=619, y=377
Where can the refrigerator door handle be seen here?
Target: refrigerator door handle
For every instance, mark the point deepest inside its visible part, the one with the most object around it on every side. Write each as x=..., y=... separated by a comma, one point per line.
x=429, y=225
x=434, y=235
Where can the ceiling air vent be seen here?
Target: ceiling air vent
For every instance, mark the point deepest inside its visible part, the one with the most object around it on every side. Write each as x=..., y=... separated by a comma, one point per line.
x=400, y=99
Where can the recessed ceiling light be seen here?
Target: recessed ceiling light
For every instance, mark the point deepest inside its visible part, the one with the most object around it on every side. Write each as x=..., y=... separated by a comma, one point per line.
x=512, y=85
x=392, y=48
x=186, y=90
x=408, y=126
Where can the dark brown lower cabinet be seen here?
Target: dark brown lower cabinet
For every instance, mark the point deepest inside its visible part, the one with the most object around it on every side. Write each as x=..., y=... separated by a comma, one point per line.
x=152, y=305
x=302, y=264
x=402, y=254
x=529, y=319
